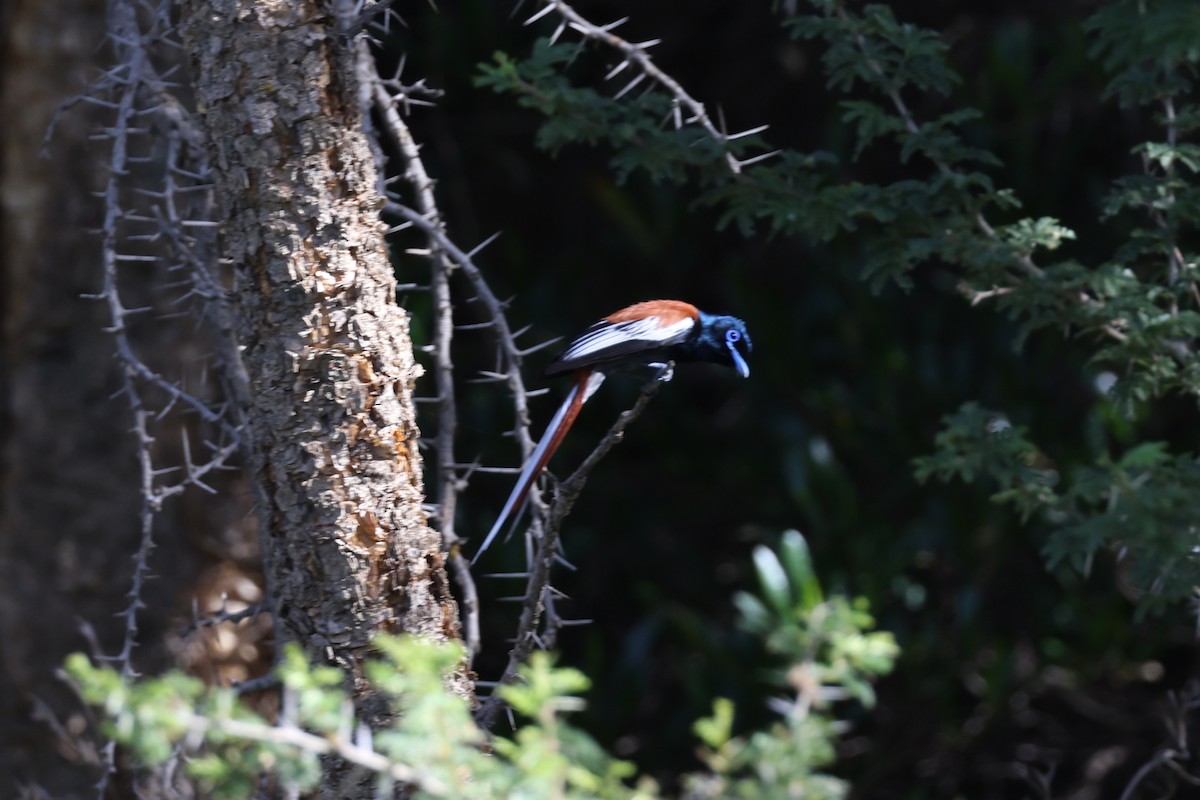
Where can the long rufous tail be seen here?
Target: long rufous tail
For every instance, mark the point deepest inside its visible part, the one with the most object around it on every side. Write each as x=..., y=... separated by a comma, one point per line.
x=586, y=383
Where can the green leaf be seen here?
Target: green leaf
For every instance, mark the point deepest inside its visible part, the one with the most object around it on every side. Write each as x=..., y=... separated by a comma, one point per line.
x=773, y=579
x=715, y=731
x=797, y=563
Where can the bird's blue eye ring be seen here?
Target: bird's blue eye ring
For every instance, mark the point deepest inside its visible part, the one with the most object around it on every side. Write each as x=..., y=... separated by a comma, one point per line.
x=732, y=336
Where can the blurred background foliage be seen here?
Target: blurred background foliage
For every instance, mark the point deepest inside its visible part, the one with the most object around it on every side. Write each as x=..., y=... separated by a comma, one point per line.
x=1008, y=669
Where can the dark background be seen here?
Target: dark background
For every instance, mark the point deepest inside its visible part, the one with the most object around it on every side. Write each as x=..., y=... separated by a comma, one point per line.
x=1006, y=668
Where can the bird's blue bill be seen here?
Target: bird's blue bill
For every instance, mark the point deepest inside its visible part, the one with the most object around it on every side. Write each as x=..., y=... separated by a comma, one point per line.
x=739, y=363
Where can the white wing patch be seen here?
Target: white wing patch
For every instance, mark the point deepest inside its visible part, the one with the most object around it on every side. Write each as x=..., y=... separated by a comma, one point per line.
x=609, y=335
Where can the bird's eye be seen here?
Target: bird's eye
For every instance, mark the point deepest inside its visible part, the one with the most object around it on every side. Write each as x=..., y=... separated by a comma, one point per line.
x=732, y=336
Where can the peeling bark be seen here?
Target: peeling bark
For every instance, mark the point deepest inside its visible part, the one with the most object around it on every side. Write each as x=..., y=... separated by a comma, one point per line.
x=347, y=548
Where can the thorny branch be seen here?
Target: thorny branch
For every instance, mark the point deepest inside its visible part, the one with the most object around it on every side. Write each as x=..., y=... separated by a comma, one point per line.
x=450, y=482
x=1178, y=750
x=512, y=354
x=176, y=232
x=352, y=746
x=465, y=262
x=221, y=615
x=636, y=54
x=366, y=14
x=446, y=256
x=538, y=581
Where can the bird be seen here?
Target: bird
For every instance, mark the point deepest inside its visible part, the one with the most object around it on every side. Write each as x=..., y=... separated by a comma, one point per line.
x=656, y=334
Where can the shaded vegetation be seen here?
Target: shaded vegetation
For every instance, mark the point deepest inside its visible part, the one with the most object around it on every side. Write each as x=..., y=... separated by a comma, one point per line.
x=1022, y=644
x=969, y=272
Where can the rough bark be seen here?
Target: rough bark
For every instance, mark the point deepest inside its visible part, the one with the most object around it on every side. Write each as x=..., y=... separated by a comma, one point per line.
x=347, y=548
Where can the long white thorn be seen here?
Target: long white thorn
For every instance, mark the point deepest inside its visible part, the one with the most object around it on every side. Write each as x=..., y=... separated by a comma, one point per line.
x=538, y=15
x=615, y=71
x=629, y=86
x=750, y=132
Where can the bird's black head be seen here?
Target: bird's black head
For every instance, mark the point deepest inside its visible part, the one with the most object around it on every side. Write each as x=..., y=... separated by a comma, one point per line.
x=723, y=340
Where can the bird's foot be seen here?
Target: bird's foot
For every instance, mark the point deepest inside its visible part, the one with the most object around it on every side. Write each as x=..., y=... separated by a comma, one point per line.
x=666, y=370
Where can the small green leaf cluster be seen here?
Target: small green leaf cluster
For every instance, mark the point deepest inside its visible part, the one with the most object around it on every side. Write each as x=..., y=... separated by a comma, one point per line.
x=975, y=443
x=830, y=653
x=557, y=759
x=433, y=746
x=909, y=53
x=154, y=718
x=1142, y=505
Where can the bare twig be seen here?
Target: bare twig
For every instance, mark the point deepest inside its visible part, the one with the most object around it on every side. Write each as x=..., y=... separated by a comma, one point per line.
x=222, y=616
x=1160, y=758
x=320, y=744
x=1180, y=706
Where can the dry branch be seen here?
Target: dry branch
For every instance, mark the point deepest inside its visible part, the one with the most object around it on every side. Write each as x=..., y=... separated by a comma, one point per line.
x=538, y=582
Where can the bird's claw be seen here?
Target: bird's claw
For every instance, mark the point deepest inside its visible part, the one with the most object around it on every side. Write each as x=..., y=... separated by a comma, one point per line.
x=666, y=370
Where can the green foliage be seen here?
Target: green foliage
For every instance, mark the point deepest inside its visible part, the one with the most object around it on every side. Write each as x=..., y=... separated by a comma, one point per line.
x=975, y=442
x=132, y=709
x=830, y=654
x=154, y=717
x=434, y=745
x=1141, y=505
x=875, y=49
x=1141, y=306
x=828, y=640
x=557, y=760
x=574, y=114
x=1142, y=43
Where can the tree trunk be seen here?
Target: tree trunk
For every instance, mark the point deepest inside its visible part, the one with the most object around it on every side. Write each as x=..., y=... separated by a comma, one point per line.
x=347, y=549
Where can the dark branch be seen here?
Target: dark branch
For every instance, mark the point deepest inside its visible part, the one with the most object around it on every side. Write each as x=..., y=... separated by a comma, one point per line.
x=547, y=549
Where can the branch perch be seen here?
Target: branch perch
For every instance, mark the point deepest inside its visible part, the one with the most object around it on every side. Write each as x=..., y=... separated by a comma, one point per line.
x=547, y=550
